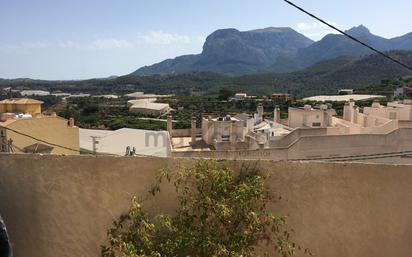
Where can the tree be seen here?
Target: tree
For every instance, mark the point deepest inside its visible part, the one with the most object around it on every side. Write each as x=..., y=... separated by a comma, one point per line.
x=221, y=212
x=225, y=93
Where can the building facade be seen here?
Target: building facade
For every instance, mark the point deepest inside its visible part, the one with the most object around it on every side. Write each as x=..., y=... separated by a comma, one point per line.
x=24, y=129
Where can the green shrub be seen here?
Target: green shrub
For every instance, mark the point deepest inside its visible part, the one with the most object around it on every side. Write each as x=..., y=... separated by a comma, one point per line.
x=221, y=212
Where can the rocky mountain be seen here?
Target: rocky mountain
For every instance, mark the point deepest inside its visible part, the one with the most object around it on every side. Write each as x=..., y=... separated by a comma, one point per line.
x=333, y=45
x=321, y=78
x=233, y=52
x=403, y=42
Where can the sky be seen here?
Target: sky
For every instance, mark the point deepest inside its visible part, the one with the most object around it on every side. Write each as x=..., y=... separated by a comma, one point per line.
x=80, y=39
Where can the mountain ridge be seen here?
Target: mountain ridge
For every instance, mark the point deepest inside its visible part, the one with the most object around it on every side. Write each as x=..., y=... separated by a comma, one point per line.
x=235, y=52
x=272, y=49
x=321, y=78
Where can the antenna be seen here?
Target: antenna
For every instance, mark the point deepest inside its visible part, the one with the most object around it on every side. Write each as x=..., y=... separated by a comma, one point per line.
x=95, y=142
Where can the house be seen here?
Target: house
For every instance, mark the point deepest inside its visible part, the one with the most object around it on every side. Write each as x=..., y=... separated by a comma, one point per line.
x=345, y=92
x=281, y=97
x=142, y=95
x=148, y=107
x=125, y=141
x=240, y=96
x=34, y=92
x=342, y=98
x=25, y=129
x=312, y=117
x=404, y=91
x=393, y=110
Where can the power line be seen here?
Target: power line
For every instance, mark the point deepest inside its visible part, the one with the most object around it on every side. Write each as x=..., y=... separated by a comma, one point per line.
x=54, y=144
x=349, y=36
x=40, y=140
x=357, y=157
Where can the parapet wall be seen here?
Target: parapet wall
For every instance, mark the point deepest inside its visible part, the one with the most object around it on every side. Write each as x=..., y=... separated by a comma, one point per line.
x=63, y=205
x=311, y=143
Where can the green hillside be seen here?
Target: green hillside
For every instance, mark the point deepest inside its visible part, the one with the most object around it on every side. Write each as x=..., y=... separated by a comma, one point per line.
x=322, y=78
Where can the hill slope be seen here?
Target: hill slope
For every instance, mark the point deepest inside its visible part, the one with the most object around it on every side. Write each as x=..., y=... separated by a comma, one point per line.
x=332, y=45
x=231, y=52
x=324, y=77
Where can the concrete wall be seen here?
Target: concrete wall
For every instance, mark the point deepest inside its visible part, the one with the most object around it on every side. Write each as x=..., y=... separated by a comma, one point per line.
x=21, y=108
x=305, y=118
x=310, y=143
x=63, y=205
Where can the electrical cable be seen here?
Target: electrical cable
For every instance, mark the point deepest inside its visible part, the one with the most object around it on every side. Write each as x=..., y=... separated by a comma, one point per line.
x=349, y=36
x=40, y=140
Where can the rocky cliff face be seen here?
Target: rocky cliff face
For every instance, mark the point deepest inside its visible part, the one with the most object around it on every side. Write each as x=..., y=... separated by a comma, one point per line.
x=233, y=52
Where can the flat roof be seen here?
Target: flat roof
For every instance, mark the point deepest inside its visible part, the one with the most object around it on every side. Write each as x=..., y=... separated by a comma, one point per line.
x=107, y=96
x=141, y=95
x=34, y=92
x=116, y=141
x=149, y=106
x=341, y=98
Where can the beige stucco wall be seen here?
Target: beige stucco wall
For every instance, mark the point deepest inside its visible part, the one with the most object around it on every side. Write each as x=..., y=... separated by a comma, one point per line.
x=21, y=108
x=50, y=129
x=305, y=118
x=318, y=143
x=62, y=205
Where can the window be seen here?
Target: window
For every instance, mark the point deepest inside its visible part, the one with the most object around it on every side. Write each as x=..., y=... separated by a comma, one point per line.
x=392, y=115
x=316, y=124
x=225, y=138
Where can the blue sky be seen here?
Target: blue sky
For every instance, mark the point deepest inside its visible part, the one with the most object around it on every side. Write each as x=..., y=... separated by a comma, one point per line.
x=78, y=39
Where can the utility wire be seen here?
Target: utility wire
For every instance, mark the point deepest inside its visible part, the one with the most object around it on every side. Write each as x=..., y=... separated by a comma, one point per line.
x=349, y=36
x=337, y=158
x=56, y=145
x=357, y=157
x=40, y=140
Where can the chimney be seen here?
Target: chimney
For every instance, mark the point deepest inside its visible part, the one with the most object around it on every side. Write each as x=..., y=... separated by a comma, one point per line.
x=276, y=115
x=70, y=123
x=169, y=125
x=193, y=130
x=260, y=111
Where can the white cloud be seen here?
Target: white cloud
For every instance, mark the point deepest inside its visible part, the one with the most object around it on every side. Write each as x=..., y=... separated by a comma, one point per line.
x=111, y=44
x=69, y=44
x=162, y=38
x=315, y=30
x=23, y=47
x=34, y=45
x=201, y=39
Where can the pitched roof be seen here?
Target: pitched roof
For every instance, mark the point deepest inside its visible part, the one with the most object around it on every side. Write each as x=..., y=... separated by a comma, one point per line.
x=20, y=101
x=7, y=122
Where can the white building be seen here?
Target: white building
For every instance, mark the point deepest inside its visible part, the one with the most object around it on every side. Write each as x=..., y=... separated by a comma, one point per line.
x=118, y=142
x=308, y=116
x=240, y=96
x=242, y=131
x=393, y=110
x=342, y=98
x=141, y=95
x=34, y=93
x=148, y=107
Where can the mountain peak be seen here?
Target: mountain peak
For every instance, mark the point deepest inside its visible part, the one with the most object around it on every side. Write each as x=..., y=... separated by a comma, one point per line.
x=279, y=49
x=358, y=30
x=271, y=30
